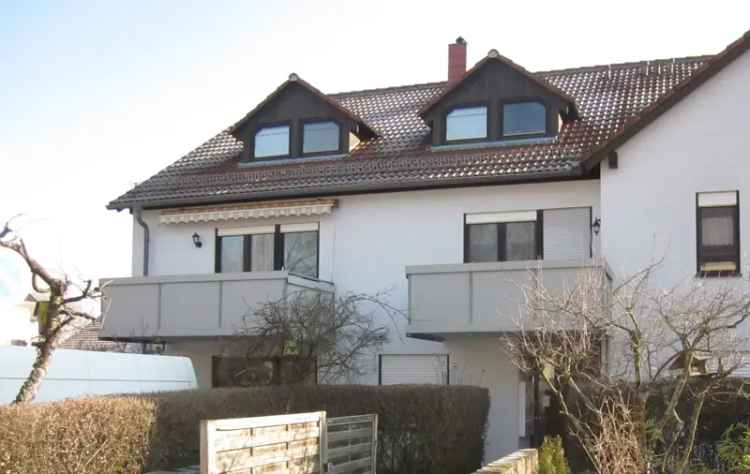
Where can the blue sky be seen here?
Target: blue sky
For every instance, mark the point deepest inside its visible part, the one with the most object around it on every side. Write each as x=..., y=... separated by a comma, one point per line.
x=95, y=96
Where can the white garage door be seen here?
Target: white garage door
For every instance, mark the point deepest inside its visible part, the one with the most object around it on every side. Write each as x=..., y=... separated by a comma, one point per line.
x=414, y=368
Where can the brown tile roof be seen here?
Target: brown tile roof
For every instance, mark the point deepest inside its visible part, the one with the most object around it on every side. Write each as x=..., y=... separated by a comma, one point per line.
x=668, y=100
x=607, y=97
x=87, y=339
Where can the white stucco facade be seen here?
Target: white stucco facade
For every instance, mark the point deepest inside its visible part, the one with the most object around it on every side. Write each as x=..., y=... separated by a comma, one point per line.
x=366, y=243
x=649, y=201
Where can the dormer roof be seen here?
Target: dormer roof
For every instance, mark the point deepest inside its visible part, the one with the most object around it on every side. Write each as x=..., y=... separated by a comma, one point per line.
x=494, y=56
x=366, y=130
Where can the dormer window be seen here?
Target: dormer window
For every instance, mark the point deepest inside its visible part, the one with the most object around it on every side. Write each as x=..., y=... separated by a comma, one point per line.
x=320, y=137
x=524, y=118
x=466, y=123
x=272, y=141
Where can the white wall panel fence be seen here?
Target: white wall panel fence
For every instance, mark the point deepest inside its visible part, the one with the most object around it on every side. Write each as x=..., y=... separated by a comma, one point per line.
x=76, y=373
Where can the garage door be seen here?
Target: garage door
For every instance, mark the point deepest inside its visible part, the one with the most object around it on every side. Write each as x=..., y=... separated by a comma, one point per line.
x=414, y=368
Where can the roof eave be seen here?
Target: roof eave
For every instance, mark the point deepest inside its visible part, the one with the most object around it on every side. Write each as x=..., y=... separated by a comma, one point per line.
x=575, y=171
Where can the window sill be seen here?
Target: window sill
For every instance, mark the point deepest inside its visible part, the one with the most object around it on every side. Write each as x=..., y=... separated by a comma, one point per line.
x=494, y=144
x=718, y=275
x=284, y=161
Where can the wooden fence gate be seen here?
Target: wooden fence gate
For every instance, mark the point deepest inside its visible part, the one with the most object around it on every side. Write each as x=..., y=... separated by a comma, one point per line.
x=290, y=444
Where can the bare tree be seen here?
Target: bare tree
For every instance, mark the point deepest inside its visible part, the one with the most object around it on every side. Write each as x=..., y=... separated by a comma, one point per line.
x=674, y=344
x=316, y=336
x=61, y=308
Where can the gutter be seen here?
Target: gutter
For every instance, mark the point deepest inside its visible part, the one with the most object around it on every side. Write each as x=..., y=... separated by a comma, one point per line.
x=137, y=212
x=575, y=171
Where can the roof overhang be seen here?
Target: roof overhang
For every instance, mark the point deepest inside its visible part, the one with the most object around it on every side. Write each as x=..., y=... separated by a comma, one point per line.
x=257, y=210
x=572, y=171
x=668, y=100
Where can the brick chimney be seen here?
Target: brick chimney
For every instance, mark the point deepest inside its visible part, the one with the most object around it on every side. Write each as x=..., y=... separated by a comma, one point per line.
x=456, y=60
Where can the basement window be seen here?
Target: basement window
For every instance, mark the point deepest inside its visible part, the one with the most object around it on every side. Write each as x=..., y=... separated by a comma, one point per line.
x=272, y=142
x=524, y=118
x=467, y=123
x=718, y=234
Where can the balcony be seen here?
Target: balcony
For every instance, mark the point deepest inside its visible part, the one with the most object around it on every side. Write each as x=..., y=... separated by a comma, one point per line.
x=210, y=305
x=481, y=298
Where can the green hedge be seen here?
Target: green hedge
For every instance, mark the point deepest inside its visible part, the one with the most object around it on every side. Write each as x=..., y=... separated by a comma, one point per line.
x=421, y=428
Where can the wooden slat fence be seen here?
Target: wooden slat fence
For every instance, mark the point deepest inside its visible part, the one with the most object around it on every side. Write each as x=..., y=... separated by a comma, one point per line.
x=352, y=444
x=290, y=444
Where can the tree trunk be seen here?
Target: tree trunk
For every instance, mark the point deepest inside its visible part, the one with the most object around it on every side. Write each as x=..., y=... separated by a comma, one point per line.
x=30, y=387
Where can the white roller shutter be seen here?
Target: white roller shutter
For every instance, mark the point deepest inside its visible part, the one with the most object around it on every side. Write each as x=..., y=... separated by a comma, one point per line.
x=413, y=369
x=567, y=233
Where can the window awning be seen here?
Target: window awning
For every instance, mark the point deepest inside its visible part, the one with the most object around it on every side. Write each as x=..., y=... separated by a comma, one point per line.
x=258, y=210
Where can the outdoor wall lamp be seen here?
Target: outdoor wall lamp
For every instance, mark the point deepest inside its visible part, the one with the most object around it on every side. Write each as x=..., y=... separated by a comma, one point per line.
x=596, y=226
x=197, y=240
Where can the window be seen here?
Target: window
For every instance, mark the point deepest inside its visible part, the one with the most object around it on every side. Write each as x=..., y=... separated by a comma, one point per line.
x=466, y=124
x=413, y=368
x=300, y=243
x=498, y=237
x=718, y=234
x=292, y=247
x=319, y=137
x=272, y=141
x=245, y=250
x=524, y=118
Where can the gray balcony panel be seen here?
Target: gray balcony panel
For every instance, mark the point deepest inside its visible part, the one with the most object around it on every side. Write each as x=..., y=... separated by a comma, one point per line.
x=240, y=298
x=449, y=298
x=189, y=307
x=140, y=315
x=497, y=297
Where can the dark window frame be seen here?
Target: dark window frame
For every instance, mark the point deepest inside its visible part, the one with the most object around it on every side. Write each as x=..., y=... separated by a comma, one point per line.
x=502, y=236
x=278, y=249
x=466, y=105
x=700, y=257
x=521, y=100
x=261, y=126
x=306, y=121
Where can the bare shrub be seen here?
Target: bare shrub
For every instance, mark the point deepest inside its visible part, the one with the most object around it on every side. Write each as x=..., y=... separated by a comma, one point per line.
x=676, y=343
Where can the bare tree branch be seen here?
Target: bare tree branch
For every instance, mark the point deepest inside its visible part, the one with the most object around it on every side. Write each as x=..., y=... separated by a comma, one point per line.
x=55, y=316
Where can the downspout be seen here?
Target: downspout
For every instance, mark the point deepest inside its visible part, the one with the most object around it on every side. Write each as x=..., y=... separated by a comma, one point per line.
x=137, y=212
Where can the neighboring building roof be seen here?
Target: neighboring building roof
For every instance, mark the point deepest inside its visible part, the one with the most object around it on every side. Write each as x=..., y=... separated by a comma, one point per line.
x=87, y=338
x=670, y=99
x=607, y=97
x=493, y=55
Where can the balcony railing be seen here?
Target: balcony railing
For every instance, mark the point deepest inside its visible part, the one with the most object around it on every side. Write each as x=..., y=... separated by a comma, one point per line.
x=481, y=298
x=155, y=307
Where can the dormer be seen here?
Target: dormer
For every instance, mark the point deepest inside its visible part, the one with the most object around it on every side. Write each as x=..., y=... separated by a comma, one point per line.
x=298, y=121
x=495, y=101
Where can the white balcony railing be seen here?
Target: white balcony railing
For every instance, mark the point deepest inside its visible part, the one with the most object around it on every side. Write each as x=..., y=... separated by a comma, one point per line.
x=155, y=307
x=473, y=298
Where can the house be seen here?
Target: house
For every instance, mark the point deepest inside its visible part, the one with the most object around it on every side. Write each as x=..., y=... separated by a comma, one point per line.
x=20, y=326
x=448, y=194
